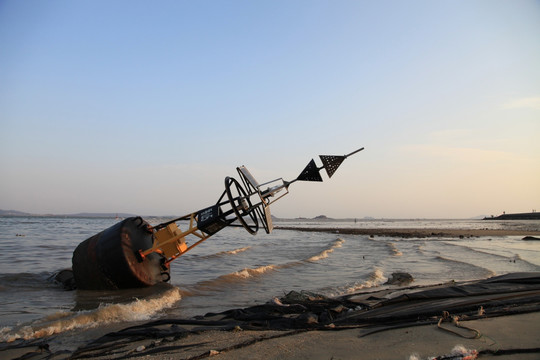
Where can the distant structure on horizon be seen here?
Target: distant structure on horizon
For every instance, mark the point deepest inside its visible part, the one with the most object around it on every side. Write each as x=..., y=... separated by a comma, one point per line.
x=518, y=216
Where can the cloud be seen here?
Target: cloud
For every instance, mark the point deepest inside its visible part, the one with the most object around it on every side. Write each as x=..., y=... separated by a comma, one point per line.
x=523, y=103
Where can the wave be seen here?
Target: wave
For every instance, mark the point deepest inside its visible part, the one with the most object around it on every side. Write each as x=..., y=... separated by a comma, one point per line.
x=373, y=279
x=325, y=253
x=225, y=253
x=488, y=272
x=237, y=276
x=491, y=255
x=105, y=314
x=393, y=249
x=250, y=273
x=23, y=280
x=471, y=249
x=419, y=248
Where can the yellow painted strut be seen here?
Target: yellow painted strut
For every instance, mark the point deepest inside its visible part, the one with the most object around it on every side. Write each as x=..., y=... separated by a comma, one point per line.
x=170, y=241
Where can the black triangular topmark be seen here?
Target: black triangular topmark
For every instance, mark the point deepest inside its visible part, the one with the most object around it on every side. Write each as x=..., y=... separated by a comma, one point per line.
x=331, y=163
x=310, y=173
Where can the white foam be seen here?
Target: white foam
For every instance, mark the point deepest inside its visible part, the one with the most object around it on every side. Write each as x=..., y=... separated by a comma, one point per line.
x=105, y=314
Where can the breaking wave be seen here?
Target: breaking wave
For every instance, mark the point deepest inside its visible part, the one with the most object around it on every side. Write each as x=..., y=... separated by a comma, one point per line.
x=325, y=253
x=237, y=276
x=247, y=273
x=63, y=321
x=373, y=279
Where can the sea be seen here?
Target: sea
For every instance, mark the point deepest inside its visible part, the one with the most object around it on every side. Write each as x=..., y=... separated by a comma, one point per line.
x=233, y=269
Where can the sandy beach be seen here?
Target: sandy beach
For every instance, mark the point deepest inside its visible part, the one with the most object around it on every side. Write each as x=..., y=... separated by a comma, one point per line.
x=498, y=340
x=510, y=337
x=496, y=318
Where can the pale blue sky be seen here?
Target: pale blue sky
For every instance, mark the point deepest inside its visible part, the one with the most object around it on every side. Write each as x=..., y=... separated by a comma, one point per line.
x=144, y=107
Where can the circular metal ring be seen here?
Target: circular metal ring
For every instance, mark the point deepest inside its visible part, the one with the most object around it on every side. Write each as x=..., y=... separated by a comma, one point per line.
x=237, y=205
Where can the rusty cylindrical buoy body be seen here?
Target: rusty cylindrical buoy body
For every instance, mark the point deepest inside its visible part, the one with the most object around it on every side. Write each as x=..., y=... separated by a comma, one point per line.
x=108, y=260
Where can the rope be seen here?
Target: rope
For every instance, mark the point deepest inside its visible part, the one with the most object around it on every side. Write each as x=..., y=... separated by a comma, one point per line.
x=455, y=320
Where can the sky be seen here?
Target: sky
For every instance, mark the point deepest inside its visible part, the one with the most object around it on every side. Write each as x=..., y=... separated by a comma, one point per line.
x=145, y=107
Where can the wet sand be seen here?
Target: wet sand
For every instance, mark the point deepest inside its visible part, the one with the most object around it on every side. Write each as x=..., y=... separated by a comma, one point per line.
x=418, y=233
x=497, y=334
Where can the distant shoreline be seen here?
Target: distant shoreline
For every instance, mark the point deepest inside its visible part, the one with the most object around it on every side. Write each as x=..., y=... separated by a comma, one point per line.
x=417, y=233
x=518, y=216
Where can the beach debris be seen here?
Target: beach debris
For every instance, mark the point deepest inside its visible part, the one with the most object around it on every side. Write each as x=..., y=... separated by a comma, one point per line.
x=213, y=352
x=399, y=278
x=481, y=311
x=307, y=319
x=459, y=352
x=446, y=317
x=140, y=348
x=44, y=347
x=276, y=301
x=132, y=253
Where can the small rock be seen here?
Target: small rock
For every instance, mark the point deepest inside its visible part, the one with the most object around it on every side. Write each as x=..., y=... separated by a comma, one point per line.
x=399, y=278
x=213, y=352
x=140, y=348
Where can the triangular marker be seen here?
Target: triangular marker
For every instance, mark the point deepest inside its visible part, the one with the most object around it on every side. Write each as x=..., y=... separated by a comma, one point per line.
x=331, y=163
x=310, y=173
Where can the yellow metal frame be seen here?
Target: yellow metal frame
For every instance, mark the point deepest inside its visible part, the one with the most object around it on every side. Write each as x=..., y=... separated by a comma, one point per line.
x=170, y=241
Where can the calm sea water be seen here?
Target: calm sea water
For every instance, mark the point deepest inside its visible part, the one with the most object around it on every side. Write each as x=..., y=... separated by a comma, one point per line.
x=233, y=269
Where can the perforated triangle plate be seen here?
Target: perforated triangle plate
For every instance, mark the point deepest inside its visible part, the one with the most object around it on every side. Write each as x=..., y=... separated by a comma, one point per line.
x=331, y=163
x=310, y=173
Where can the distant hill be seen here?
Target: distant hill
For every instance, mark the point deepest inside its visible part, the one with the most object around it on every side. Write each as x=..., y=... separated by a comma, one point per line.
x=83, y=214
x=13, y=213
x=100, y=215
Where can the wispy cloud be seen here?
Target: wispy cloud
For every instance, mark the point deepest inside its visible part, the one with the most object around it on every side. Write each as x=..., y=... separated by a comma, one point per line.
x=523, y=103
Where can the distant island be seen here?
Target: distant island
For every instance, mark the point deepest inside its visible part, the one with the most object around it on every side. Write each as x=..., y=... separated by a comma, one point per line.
x=518, y=216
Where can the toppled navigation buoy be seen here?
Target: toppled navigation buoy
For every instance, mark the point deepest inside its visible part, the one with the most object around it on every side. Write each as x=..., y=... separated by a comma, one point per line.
x=132, y=253
x=108, y=260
